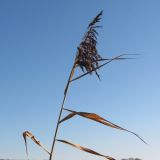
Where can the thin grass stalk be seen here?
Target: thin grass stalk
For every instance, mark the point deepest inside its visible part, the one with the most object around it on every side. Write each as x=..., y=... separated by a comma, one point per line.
x=61, y=110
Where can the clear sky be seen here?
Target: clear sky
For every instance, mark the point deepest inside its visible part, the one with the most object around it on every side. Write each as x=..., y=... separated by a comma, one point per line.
x=38, y=40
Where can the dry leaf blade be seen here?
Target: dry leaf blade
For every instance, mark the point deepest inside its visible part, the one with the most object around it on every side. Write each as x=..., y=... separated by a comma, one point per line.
x=35, y=140
x=99, y=119
x=85, y=149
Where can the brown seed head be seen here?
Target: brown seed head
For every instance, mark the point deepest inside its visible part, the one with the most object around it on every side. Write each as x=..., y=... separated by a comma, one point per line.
x=87, y=54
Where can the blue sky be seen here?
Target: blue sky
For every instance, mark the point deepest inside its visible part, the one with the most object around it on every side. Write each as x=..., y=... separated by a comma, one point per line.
x=38, y=41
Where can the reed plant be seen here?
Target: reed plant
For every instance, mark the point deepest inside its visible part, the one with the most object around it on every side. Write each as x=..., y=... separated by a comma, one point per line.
x=89, y=61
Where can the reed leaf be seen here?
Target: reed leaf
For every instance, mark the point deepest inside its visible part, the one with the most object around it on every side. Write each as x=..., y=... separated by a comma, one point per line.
x=107, y=61
x=99, y=119
x=85, y=149
x=30, y=135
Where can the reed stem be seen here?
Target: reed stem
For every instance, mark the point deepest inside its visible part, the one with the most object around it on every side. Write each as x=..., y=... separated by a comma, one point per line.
x=61, y=110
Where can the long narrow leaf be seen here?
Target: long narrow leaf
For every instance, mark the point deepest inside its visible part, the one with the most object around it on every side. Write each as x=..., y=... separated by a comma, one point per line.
x=98, y=67
x=85, y=149
x=30, y=135
x=99, y=119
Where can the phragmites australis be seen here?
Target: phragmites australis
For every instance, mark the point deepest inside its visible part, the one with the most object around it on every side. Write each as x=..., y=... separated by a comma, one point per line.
x=89, y=60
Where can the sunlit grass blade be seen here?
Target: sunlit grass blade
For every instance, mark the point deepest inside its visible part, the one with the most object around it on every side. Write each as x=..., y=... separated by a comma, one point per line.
x=85, y=149
x=30, y=135
x=99, y=119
